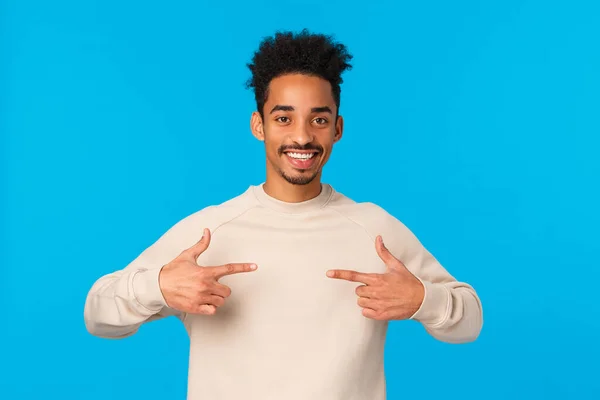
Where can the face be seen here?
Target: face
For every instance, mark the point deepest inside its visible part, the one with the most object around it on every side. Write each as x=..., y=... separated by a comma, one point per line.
x=299, y=128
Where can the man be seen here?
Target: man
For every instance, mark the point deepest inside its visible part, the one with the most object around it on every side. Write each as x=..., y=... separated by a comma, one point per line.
x=288, y=293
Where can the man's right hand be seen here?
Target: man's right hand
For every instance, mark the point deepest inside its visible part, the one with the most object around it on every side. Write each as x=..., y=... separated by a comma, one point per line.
x=190, y=288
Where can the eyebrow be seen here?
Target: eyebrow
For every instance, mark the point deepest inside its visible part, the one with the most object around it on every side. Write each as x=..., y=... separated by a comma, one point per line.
x=280, y=107
x=321, y=109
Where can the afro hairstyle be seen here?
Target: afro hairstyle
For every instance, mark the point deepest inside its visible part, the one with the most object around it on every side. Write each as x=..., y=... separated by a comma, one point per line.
x=304, y=52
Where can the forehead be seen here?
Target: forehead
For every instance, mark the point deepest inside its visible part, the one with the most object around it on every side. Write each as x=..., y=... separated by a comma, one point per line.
x=300, y=91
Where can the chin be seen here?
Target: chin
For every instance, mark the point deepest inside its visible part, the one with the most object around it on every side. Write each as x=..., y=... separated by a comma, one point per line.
x=299, y=179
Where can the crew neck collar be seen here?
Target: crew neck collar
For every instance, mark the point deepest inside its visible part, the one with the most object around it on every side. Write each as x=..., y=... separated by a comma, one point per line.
x=294, y=208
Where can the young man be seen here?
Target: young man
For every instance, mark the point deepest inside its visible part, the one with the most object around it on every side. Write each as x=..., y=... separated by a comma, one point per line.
x=289, y=291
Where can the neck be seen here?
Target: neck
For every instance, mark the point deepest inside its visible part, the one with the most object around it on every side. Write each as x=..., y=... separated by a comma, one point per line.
x=280, y=189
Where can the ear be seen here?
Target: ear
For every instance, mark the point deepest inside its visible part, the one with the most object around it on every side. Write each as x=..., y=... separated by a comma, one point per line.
x=256, y=126
x=339, y=129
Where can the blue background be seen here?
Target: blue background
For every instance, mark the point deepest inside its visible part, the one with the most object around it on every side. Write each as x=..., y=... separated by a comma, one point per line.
x=474, y=122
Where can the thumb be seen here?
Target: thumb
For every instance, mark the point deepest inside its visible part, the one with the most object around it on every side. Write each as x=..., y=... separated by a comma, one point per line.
x=386, y=256
x=201, y=245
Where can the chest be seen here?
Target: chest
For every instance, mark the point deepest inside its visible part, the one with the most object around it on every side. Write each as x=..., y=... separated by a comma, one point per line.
x=290, y=290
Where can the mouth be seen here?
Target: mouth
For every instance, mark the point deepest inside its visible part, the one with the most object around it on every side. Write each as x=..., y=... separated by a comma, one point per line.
x=302, y=159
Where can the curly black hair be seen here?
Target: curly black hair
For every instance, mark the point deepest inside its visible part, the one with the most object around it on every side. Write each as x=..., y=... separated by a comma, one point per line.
x=304, y=52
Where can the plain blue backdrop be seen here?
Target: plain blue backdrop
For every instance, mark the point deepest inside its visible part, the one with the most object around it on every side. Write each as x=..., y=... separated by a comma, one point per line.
x=474, y=122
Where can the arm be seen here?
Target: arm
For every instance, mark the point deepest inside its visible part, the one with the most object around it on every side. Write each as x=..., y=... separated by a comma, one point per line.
x=120, y=302
x=451, y=310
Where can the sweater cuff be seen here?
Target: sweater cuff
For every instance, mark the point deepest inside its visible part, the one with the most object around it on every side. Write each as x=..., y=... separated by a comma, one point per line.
x=435, y=307
x=146, y=289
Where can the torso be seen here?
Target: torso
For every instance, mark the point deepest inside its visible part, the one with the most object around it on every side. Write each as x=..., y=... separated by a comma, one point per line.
x=288, y=331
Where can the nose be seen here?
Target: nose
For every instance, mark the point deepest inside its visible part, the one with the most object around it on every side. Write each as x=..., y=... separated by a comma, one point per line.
x=302, y=135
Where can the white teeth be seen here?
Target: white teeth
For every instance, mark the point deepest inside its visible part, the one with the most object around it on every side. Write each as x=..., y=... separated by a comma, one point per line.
x=301, y=156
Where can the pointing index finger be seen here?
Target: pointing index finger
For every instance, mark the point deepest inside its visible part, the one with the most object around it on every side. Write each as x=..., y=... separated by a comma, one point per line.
x=351, y=276
x=233, y=268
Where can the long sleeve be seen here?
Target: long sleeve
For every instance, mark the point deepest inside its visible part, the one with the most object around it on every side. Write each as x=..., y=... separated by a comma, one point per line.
x=451, y=310
x=118, y=303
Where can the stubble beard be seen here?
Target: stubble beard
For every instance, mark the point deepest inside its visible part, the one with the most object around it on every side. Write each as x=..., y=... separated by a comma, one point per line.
x=298, y=180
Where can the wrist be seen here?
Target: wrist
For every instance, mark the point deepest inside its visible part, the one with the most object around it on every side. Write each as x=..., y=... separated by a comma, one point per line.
x=419, y=296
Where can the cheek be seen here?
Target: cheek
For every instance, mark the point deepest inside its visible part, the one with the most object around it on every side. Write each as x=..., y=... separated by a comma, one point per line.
x=271, y=146
x=328, y=144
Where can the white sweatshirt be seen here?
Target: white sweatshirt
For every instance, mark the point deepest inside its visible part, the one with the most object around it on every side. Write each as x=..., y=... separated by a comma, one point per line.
x=287, y=331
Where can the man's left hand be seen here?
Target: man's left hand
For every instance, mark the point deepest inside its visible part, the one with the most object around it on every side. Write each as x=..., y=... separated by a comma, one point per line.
x=394, y=295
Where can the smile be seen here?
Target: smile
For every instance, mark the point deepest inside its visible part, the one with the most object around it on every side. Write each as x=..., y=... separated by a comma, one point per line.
x=301, y=160
x=301, y=156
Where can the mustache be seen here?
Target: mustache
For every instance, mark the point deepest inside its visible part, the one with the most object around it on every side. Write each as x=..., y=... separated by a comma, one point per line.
x=306, y=147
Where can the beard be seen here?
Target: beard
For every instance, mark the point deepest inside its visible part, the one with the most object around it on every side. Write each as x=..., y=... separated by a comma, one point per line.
x=299, y=179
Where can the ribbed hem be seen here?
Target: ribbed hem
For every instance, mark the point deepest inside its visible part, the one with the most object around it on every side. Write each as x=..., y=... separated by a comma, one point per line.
x=436, y=305
x=146, y=289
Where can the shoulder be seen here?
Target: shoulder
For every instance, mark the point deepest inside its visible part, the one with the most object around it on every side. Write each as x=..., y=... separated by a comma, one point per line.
x=188, y=230
x=375, y=221
x=372, y=217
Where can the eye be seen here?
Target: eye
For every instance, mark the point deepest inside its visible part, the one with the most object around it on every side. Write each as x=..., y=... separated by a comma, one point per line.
x=283, y=120
x=320, y=121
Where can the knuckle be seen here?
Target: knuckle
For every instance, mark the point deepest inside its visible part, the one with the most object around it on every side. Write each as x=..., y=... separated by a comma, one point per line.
x=230, y=268
x=187, y=255
x=198, y=297
x=194, y=306
x=201, y=288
